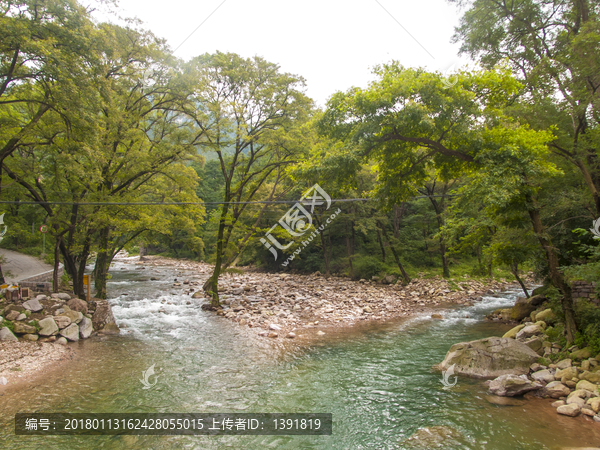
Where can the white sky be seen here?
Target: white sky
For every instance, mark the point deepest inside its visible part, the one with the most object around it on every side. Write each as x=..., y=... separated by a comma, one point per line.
x=332, y=44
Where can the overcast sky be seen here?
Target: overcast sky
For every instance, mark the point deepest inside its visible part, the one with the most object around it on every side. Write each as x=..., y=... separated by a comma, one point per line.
x=332, y=44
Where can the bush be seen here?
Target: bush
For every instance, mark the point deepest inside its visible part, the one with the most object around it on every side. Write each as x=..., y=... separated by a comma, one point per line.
x=367, y=266
x=588, y=318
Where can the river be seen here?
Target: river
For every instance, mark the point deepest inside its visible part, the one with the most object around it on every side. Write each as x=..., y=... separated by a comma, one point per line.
x=376, y=380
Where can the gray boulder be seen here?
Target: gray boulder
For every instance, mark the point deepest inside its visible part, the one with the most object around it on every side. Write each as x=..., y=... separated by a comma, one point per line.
x=571, y=410
x=85, y=328
x=76, y=304
x=61, y=295
x=7, y=335
x=556, y=389
x=71, y=332
x=543, y=375
x=48, y=327
x=75, y=316
x=103, y=318
x=489, y=358
x=530, y=330
x=62, y=321
x=511, y=385
x=23, y=328
x=33, y=305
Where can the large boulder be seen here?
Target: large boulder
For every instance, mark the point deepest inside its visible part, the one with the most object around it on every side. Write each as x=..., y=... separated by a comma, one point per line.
x=75, y=316
x=571, y=410
x=529, y=331
x=7, y=335
x=546, y=315
x=567, y=374
x=592, y=377
x=48, y=327
x=525, y=306
x=103, y=319
x=511, y=385
x=587, y=386
x=23, y=328
x=584, y=353
x=62, y=321
x=489, y=358
x=76, y=304
x=543, y=375
x=556, y=389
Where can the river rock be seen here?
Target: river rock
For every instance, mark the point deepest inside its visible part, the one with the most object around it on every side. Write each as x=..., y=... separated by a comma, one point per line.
x=61, y=341
x=48, y=327
x=75, y=316
x=592, y=377
x=587, y=386
x=489, y=358
x=556, y=389
x=564, y=363
x=197, y=294
x=558, y=403
x=504, y=401
x=575, y=400
x=543, y=375
x=439, y=436
x=61, y=296
x=85, y=328
x=103, y=319
x=510, y=385
x=62, y=321
x=534, y=343
x=594, y=403
x=12, y=315
x=530, y=330
x=546, y=315
x=274, y=327
x=33, y=305
x=30, y=337
x=71, y=332
x=568, y=373
x=7, y=335
x=584, y=353
x=571, y=410
x=23, y=328
x=512, y=333
x=76, y=304
x=523, y=308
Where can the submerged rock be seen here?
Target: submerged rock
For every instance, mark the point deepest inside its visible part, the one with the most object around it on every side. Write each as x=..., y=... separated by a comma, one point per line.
x=489, y=358
x=434, y=437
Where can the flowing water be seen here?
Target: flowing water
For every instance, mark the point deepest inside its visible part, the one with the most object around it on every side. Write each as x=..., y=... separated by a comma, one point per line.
x=377, y=381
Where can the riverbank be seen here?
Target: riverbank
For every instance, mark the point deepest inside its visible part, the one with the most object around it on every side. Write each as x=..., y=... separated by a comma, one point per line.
x=293, y=306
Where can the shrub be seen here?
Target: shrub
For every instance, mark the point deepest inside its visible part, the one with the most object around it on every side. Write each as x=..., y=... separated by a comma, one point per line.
x=367, y=266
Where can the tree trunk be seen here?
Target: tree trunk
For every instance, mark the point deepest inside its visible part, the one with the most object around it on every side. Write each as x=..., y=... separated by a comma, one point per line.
x=514, y=268
x=381, y=245
x=445, y=266
x=349, y=249
x=211, y=287
x=553, y=269
x=400, y=266
x=102, y=264
x=2, y=281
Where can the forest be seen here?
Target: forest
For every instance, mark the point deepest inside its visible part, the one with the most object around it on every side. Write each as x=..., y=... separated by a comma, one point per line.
x=113, y=143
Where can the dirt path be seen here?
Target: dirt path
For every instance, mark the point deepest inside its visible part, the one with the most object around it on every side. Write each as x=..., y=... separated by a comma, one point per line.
x=19, y=266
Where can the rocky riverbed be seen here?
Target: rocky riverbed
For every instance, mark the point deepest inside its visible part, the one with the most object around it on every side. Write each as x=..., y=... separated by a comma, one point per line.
x=287, y=305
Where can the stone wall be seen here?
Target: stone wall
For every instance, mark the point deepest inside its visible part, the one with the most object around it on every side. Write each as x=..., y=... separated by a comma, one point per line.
x=582, y=289
x=41, y=282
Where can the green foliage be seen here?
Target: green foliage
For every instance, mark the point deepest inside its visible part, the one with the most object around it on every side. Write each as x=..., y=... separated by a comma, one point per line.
x=8, y=324
x=366, y=267
x=588, y=316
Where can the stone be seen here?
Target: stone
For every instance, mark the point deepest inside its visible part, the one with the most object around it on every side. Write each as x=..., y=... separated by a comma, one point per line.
x=74, y=316
x=594, y=403
x=585, y=365
x=61, y=296
x=523, y=308
x=437, y=316
x=367, y=309
x=320, y=333
x=592, y=377
x=85, y=328
x=3, y=381
x=534, y=343
x=76, y=304
x=291, y=335
x=198, y=294
x=439, y=436
x=7, y=335
x=587, y=411
x=272, y=334
x=274, y=327
x=489, y=358
x=103, y=319
x=530, y=330
x=12, y=315
x=30, y=337
x=23, y=328
x=71, y=332
x=512, y=333
x=504, y=401
x=558, y=403
x=586, y=385
x=571, y=410
x=510, y=385
x=543, y=375
x=22, y=317
x=546, y=315
x=33, y=305
x=584, y=353
x=575, y=400
x=237, y=291
x=597, y=418
x=61, y=341
x=556, y=389
x=47, y=326
x=563, y=364
x=567, y=374
x=62, y=321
